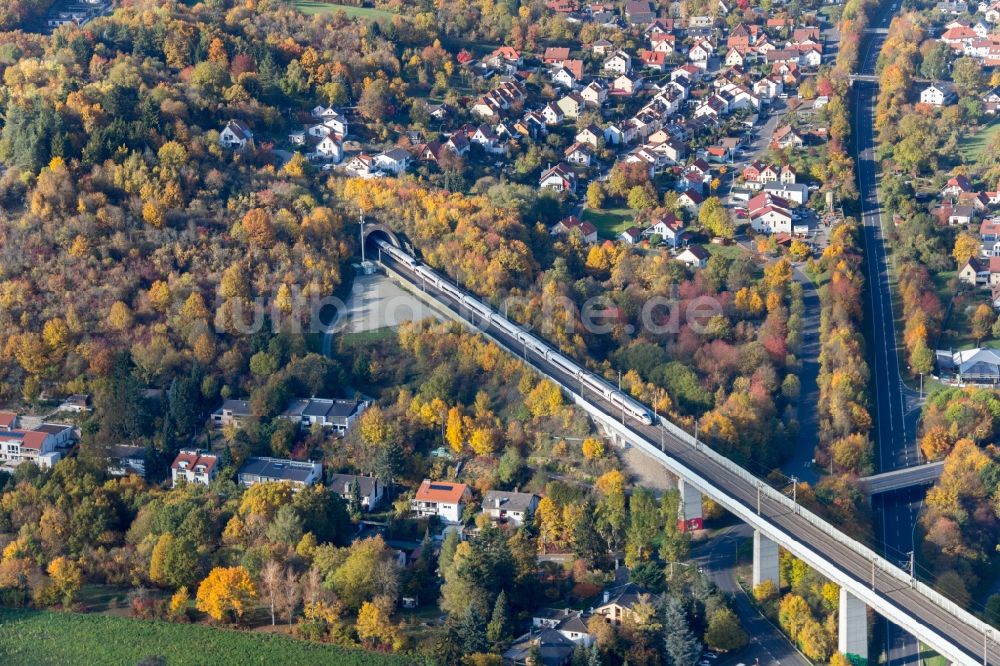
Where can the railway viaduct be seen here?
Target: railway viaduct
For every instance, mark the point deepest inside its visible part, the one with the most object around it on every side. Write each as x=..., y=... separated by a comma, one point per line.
x=866, y=580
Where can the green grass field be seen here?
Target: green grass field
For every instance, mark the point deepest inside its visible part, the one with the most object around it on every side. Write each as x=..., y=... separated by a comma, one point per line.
x=40, y=638
x=610, y=222
x=972, y=145
x=726, y=251
x=364, y=13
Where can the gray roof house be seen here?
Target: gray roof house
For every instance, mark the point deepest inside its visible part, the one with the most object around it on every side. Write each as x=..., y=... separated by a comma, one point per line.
x=368, y=486
x=329, y=413
x=509, y=506
x=971, y=366
x=124, y=460
x=620, y=602
x=334, y=413
x=572, y=624
x=553, y=649
x=262, y=470
x=231, y=412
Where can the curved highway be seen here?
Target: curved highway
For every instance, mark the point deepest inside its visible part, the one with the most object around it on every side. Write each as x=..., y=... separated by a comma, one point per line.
x=821, y=546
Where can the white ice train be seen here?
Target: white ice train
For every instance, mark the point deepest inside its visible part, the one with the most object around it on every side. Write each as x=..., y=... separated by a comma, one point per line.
x=588, y=379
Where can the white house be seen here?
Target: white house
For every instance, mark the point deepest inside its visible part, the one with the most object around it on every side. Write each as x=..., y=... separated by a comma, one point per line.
x=937, y=94
x=394, y=161
x=579, y=154
x=236, y=135
x=487, y=139
x=17, y=446
x=124, y=459
x=618, y=63
x=552, y=114
x=770, y=214
x=590, y=135
x=571, y=624
x=691, y=200
x=631, y=236
x=442, y=499
x=615, y=135
x=695, y=256
x=194, y=466
x=594, y=94
x=797, y=193
x=734, y=58
x=811, y=56
x=669, y=228
x=701, y=52
x=337, y=124
x=330, y=149
x=362, y=166
x=563, y=77
x=558, y=178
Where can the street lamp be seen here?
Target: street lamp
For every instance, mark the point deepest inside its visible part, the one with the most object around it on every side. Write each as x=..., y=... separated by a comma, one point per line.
x=686, y=565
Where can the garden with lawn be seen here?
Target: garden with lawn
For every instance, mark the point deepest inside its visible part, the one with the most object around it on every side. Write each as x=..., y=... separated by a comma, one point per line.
x=972, y=145
x=365, y=13
x=610, y=222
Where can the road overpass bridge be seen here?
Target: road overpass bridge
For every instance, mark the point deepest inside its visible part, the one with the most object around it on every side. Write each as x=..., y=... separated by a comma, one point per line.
x=901, y=479
x=871, y=78
x=866, y=579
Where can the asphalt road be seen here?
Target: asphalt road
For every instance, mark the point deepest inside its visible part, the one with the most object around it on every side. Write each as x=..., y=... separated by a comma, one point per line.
x=896, y=407
x=807, y=539
x=767, y=646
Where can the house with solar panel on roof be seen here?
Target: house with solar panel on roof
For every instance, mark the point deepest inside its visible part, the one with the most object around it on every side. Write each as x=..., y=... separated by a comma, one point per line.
x=299, y=474
x=442, y=499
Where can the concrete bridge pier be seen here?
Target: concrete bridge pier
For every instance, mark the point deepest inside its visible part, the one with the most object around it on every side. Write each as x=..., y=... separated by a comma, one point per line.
x=690, y=509
x=853, y=625
x=765, y=560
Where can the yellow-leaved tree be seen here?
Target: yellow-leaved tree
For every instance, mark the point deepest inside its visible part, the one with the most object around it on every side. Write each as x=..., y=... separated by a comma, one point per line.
x=226, y=592
x=66, y=579
x=264, y=499
x=548, y=518
x=454, y=432
x=545, y=399
x=593, y=448
x=966, y=247
x=374, y=628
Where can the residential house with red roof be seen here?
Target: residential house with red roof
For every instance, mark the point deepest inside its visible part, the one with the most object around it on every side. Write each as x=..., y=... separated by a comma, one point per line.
x=442, y=499
x=558, y=178
x=194, y=466
x=555, y=54
x=8, y=421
